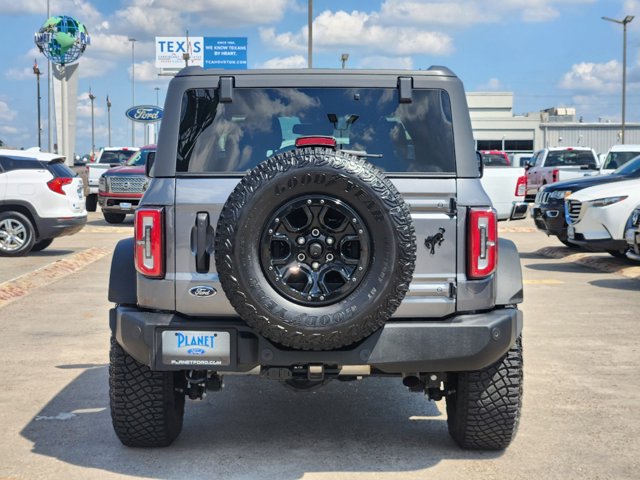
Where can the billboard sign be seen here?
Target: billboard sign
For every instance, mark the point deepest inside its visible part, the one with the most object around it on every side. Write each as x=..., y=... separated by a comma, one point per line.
x=206, y=52
x=230, y=53
x=145, y=113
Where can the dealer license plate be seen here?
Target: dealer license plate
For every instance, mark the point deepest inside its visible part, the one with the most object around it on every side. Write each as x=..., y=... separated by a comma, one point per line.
x=571, y=231
x=202, y=348
x=125, y=206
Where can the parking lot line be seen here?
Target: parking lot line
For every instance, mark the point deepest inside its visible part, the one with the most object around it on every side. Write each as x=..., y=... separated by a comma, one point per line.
x=23, y=285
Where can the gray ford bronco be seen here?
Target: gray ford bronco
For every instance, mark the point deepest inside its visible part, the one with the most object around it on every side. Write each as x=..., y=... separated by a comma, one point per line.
x=311, y=225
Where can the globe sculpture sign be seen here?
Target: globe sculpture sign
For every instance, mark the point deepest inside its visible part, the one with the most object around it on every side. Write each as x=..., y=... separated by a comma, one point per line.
x=63, y=39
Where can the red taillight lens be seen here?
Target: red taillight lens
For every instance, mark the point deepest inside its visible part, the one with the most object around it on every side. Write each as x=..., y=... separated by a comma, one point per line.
x=521, y=186
x=482, y=243
x=149, y=238
x=555, y=174
x=316, y=141
x=56, y=184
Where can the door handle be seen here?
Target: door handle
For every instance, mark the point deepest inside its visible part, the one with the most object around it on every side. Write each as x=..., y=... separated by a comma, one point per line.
x=202, y=240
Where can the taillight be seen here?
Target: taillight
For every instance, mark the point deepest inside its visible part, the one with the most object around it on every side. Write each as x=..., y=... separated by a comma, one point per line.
x=482, y=243
x=56, y=184
x=555, y=174
x=521, y=186
x=149, y=238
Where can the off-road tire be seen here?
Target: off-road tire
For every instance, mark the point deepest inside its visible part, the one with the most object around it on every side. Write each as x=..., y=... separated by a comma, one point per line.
x=41, y=245
x=12, y=221
x=281, y=179
x=147, y=407
x=92, y=202
x=114, y=218
x=484, y=409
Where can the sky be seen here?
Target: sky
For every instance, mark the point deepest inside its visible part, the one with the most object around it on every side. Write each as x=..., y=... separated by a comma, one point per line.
x=547, y=52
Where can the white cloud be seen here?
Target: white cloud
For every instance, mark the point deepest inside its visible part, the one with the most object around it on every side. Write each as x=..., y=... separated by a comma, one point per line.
x=596, y=77
x=294, y=61
x=20, y=74
x=147, y=72
x=358, y=30
x=229, y=12
x=376, y=61
x=90, y=67
x=6, y=114
x=493, y=85
x=9, y=130
x=84, y=106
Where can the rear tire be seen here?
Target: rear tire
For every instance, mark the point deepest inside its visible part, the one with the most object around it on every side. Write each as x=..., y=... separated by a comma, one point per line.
x=484, y=411
x=42, y=244
x=114, y=218
x=92, y=202
x=147, y=407
x=17, y=234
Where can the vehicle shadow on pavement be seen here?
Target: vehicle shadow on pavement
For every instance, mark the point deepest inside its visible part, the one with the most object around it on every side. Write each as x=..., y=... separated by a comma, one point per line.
x=618, y=284
x=255, y=428
x=559, y=267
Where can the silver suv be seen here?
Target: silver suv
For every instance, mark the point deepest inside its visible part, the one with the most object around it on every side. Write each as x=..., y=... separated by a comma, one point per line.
x=307, y=226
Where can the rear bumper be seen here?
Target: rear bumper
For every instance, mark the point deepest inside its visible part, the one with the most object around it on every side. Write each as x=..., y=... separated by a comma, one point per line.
x=119, y=204
x=519, y=210
x=459, y=343
x=632, y=236
x=59, y=227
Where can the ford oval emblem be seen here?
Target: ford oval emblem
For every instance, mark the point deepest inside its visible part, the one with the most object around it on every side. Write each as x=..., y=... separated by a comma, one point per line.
x=145, y=113
x=202, y=291
x=196, y=351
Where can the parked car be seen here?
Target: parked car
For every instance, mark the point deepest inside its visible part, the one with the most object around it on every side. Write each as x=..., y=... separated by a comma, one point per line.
x=121, y=188
x=493, y=158
x=556, y=164
x=632, y=235
x=597, y=216
x=548, y=208
x=40, y=199
x=506, y=188
x=108, y=157
x=617, y=156
x=365, y=246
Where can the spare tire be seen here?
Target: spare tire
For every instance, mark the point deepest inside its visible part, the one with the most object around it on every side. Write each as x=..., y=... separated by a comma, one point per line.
x=315, y=249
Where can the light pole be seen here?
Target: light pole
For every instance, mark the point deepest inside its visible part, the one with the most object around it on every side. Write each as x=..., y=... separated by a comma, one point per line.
x=109, y=118
x=92, y=97
x=157, y=89
x=37, y=73
x=310, y=40
x=624, y=23
x=133, y=88
x=49, y=99
x=344, y=57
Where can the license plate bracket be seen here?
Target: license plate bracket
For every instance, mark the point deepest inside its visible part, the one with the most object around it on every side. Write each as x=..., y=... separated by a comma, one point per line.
x=206, y=349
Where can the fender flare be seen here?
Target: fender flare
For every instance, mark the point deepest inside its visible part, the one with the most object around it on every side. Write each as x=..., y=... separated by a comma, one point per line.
x=509, y=288
x=123, y=276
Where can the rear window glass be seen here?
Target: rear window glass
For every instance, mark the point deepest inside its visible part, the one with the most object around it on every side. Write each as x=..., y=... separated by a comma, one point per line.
x=139, y=158
x=632, y=167
x=237, y=136
x=560, y=158
x=115, y=156
x=494, y=160
x=59, y=169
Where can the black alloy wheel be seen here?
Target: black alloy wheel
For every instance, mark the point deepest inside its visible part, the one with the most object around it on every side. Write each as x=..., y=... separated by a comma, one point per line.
x=315, y=250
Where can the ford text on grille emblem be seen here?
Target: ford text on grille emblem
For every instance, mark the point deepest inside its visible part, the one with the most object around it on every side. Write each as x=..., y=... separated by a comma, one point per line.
x=202, y=291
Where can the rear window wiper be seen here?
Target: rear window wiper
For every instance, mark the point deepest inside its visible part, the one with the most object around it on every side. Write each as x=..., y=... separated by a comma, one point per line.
x=362, y=153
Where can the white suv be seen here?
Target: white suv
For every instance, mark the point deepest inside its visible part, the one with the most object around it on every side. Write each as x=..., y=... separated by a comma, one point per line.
x=597, y=215
x=40, y=199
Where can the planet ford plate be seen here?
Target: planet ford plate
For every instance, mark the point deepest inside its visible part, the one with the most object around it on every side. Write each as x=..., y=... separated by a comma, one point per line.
x=202, y=348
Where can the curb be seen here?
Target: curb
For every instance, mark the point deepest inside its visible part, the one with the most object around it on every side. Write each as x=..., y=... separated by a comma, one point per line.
x=23, y=285
x=602, y=264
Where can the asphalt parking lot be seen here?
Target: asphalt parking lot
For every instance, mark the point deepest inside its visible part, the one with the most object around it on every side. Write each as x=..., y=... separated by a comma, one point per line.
x=580, y=416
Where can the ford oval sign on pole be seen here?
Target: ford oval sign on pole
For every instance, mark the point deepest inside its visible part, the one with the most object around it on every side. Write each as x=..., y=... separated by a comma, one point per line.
x=145, y=113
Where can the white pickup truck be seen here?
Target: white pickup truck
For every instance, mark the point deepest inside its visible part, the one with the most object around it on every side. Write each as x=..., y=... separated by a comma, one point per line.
x=557, y=164
x=506, y=187
x=107, y=158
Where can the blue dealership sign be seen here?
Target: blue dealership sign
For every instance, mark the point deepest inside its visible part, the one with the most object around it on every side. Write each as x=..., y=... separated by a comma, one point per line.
x=227, y=53
x=145, y=113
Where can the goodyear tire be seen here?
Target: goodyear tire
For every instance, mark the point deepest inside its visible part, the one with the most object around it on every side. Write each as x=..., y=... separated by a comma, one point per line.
x=315, y=249
x=483, y=410
x=147, y=407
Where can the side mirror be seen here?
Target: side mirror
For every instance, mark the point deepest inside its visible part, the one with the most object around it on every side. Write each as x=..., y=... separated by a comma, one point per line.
x=528, y=164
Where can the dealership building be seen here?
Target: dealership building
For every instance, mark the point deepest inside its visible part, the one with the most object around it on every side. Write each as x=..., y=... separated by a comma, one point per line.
x=495, y=127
